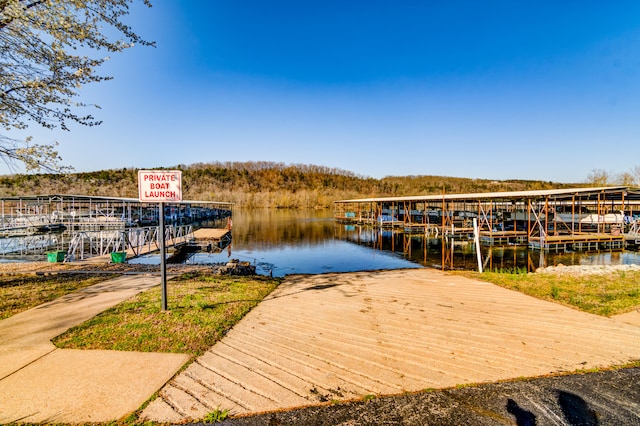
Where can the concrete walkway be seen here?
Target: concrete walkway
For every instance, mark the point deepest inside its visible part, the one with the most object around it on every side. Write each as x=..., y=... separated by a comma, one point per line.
x=343, y=336
x=39, y=383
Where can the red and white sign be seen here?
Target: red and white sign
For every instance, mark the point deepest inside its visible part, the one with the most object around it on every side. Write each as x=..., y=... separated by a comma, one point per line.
x=158, y=186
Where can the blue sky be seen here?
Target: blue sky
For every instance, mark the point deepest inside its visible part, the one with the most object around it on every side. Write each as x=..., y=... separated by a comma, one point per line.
x=529, y=90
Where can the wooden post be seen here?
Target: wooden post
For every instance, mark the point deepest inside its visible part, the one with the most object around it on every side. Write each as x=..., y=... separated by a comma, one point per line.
x=555, y=218
x=546, y=215
x=528, y=219
x=580, y=214
x=491, y=217
x=573, y=214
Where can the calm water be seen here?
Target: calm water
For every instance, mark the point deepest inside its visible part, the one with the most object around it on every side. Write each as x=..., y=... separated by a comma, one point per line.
x=283, y=242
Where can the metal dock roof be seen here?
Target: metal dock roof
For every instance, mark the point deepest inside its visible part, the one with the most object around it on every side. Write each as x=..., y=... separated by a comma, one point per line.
x=592, y=193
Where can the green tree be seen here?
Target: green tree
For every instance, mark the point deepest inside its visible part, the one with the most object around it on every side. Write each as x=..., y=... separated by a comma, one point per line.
x=49, y=49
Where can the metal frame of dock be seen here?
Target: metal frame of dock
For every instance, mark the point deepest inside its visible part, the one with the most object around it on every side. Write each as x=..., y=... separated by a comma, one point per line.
x=94, y=226
x=557, y=219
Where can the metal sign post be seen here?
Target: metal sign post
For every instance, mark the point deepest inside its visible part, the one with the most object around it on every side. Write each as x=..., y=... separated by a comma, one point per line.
x=160, y=186
x=163, y=264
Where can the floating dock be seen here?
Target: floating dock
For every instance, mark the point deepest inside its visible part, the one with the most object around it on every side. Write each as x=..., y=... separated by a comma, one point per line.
x=94, y=227
x=497, y=238
x=211, y=234
x=578, y=242
x=211, y=239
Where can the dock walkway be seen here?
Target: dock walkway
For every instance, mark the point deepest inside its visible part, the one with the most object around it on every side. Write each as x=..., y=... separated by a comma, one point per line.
x=211, y=234
x=201, y=236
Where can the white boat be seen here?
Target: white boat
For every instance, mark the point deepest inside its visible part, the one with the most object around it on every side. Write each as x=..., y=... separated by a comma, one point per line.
x=609, y=218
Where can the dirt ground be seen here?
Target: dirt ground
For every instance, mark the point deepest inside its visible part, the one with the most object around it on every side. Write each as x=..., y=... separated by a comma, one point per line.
x=45, y=267
x=602, y=398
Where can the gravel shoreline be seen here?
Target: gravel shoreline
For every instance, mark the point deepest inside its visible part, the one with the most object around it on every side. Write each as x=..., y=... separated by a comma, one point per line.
x=587, y=269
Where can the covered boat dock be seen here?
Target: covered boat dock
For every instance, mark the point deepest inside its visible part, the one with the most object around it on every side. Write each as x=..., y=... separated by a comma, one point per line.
x=556, y=219
x=79, y=227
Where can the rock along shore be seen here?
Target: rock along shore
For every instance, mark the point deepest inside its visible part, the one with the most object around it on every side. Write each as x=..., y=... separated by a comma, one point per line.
x=587, y=269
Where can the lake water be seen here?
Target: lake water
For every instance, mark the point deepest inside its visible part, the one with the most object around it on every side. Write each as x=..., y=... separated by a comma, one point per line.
x=282, y=242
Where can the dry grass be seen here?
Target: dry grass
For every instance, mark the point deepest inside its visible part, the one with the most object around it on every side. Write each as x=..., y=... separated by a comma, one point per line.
x=25, y=291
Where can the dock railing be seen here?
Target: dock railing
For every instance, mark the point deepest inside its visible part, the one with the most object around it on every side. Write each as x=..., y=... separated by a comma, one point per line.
x=134, y=241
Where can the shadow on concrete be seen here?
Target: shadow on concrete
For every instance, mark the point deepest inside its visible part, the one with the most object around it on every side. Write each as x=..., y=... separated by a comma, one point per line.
x=329, y=280
x=228, y=302
x=322, y=286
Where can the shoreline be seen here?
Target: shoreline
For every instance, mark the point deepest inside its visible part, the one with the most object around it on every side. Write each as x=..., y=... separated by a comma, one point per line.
x=108, y=267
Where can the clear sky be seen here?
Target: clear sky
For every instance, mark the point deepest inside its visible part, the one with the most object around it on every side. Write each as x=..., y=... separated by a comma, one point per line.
x=545, y=90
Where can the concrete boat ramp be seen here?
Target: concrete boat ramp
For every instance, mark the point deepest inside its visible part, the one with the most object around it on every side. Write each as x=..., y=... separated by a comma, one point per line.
x=345, y=336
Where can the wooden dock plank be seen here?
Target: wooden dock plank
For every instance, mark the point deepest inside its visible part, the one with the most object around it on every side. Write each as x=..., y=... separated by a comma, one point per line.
x=215, y=234
x=577, y=241
x=582, y=237
x=503, y=233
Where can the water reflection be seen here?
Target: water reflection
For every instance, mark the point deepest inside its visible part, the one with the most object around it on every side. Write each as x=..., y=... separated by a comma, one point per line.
x=460, y=254
x=270, y=228
x=282, y=242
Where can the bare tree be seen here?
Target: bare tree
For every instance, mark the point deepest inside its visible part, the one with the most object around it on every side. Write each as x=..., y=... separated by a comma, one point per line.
x=625, y=179
x=635, y=171
x=600, y=177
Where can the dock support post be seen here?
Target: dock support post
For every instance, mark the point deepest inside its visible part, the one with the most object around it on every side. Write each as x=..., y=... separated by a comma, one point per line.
x=476, y=238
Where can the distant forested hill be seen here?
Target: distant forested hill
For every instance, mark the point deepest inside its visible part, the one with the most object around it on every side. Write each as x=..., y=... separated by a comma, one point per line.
x=261, y=184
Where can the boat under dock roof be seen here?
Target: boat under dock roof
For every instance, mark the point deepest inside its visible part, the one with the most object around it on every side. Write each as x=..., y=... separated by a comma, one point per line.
x=610, y=192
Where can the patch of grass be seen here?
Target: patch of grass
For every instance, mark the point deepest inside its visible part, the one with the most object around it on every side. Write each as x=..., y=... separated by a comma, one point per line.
x=515, y=270
x=600, y=294
x=201, y=309
x=19, y=293
x=466, y=385
x=216, y=416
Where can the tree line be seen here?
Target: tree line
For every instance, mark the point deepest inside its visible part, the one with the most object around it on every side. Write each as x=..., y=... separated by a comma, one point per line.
x=262, y=184
x=601, y=177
